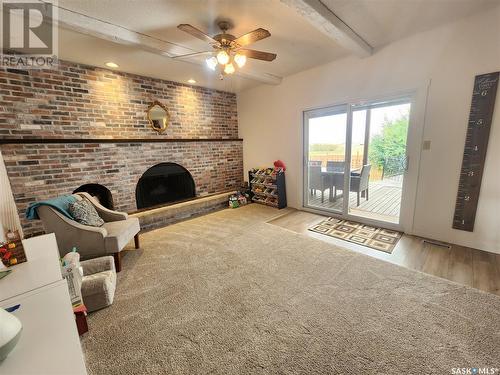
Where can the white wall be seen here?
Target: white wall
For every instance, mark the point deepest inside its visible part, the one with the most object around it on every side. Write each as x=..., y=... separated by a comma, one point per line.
x=270, y=119
x=9, y=219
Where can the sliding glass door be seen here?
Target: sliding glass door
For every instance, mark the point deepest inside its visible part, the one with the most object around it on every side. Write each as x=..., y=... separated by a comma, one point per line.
x=326, y=147
x=378, y=171
x=359, y=149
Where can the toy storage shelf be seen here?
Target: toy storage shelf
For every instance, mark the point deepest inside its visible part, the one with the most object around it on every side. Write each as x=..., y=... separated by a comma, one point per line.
x=268, y=187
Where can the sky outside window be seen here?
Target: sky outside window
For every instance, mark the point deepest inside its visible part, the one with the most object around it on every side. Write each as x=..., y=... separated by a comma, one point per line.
x=332, y=129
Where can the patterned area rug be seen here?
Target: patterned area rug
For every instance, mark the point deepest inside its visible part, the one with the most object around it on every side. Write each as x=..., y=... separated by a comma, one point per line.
x=366, y=235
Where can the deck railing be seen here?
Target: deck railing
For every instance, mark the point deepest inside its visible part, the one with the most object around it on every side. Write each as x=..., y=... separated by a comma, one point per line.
x=356, y=163
x=394, y=168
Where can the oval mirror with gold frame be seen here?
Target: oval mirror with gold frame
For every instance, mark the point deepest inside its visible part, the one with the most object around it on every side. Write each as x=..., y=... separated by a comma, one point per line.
x=158, y=116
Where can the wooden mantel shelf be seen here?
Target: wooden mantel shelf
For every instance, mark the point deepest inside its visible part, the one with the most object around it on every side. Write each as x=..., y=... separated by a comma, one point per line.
x=18, y=141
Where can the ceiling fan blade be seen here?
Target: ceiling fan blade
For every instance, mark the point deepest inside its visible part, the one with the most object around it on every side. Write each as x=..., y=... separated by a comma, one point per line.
x=252, y=37
x=191, y=54
x=196, y=33
x=259, y=55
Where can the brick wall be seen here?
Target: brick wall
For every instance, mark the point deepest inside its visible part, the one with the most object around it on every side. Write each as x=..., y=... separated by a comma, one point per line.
x=82, y=101
x=87, y=102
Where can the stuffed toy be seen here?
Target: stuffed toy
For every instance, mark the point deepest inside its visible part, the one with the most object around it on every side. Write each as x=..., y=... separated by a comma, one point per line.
x=279, y=164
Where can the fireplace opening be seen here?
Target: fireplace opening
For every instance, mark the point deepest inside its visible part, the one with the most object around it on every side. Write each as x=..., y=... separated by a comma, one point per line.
x=100, y=192
x=164, y=183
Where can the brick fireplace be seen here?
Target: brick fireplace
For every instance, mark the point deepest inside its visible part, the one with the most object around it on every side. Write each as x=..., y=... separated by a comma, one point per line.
x=82, y=127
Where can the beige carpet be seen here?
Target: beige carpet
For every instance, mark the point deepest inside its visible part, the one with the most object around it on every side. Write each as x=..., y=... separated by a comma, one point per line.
x=229, y=294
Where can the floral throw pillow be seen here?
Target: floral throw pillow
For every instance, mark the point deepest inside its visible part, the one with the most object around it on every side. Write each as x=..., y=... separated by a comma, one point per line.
x=84, y=212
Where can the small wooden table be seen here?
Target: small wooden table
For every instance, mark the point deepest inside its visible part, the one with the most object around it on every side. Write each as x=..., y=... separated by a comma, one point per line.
x=80, y=312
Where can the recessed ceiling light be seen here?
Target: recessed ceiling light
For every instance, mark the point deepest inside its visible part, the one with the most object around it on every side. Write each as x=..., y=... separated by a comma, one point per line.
x=191, y=81
x=111, y=65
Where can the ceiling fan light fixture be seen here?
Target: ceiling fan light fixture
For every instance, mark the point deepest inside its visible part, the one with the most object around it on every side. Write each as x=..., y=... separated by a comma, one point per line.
x=229, y=52
x=229, y=68
x=222, y=57
x=212, y=62
x=240, y=60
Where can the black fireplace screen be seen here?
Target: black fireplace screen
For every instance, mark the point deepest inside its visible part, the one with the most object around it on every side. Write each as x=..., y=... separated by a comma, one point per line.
x=164, y=183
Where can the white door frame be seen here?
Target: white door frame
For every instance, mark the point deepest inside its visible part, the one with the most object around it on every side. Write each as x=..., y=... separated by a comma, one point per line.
x=417, y=99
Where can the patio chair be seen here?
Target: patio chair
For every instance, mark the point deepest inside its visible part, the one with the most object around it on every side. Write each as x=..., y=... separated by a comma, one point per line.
x=335, y=166
x=360, y=182
x=337, y=182
x=317, y=181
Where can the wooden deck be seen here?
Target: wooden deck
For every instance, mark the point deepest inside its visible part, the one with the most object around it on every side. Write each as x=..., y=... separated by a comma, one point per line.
x=383, y=204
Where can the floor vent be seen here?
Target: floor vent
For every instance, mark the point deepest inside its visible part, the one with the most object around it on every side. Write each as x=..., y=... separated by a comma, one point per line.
x=437, y=243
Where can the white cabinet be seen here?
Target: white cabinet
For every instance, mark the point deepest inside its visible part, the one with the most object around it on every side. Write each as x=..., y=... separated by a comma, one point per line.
x=42, y=267
x=49, y=342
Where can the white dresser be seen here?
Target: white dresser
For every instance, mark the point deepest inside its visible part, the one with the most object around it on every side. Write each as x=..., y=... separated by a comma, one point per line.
x=49, y=342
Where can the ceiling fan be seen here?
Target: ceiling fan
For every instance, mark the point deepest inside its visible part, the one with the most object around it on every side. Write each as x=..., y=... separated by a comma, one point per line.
x=228, y=50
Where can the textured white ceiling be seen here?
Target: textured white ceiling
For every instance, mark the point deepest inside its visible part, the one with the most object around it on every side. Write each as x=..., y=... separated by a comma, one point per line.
x=380, y=22
x=299, y=45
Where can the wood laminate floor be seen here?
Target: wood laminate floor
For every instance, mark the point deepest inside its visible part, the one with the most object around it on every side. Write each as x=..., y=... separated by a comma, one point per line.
x=472, y=267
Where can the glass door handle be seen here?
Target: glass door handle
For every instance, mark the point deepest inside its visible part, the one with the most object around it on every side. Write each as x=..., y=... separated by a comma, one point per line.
x=407, y=163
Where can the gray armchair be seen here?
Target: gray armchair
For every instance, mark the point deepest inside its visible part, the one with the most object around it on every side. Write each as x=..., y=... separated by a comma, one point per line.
x=99, y=283
x=92, y=242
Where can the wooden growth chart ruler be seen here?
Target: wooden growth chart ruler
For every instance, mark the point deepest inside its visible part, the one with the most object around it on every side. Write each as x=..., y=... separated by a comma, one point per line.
x=476, y=143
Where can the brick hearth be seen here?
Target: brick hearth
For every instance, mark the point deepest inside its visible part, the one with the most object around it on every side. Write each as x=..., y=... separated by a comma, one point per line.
x=82, y=102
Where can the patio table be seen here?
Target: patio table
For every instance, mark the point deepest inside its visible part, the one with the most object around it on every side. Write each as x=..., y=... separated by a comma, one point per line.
x=335, y=178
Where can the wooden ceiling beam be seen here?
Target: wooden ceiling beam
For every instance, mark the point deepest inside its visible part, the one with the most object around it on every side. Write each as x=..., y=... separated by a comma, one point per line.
x=323, y=18
x=87, y=25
